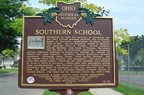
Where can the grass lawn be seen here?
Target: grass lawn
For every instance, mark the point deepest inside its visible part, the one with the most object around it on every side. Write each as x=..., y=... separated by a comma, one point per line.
x=85, y=93
x=54, y=93
x=130, y=72
x=46, y=92
x=128, y=90
x=8, y=71
x=131, y=85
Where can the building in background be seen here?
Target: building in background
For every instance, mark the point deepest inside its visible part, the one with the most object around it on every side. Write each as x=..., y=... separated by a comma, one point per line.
x=8, y=62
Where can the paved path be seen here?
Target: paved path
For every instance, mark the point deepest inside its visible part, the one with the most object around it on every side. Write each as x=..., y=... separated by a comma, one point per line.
x=9, y=86
x=104, y=91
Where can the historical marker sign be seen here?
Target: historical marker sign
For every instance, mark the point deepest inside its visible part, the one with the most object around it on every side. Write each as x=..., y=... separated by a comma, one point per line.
x=67, y=52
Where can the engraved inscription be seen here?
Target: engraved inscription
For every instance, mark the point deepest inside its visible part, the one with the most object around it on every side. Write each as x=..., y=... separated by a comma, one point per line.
x=71, y=59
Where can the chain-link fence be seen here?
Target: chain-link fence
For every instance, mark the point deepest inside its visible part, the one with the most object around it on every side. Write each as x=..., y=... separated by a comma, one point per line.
x=131, y=67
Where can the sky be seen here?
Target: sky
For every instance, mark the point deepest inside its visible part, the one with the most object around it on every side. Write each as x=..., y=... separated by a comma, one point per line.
x=127, y=14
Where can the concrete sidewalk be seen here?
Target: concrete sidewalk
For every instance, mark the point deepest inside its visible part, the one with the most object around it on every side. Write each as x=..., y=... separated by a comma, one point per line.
x=104, y=91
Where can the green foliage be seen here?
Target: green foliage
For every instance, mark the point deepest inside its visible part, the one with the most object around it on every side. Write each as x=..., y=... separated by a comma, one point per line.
x=89, y=15
x=92, y=7
x=9, y=53
x=28, y=11
x=53, y=2
x=49, y=14
x=85, y=93
x=9, y=11
x=128, y=90
x=8, y=71
x=132, y=39
x=17, y=26
x=0, y=67
x=121, y=50
x=135, y=45
x=8, y=38
x=50, y=93
x=46, y=92
x=121, y=35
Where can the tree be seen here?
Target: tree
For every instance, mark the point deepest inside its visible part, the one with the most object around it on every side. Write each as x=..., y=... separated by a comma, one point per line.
x=9, y=11
x=134, y=46
x=93, y=7
x=9, y=53
x=132, y=39
x=121, y=35
x=17, y=24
